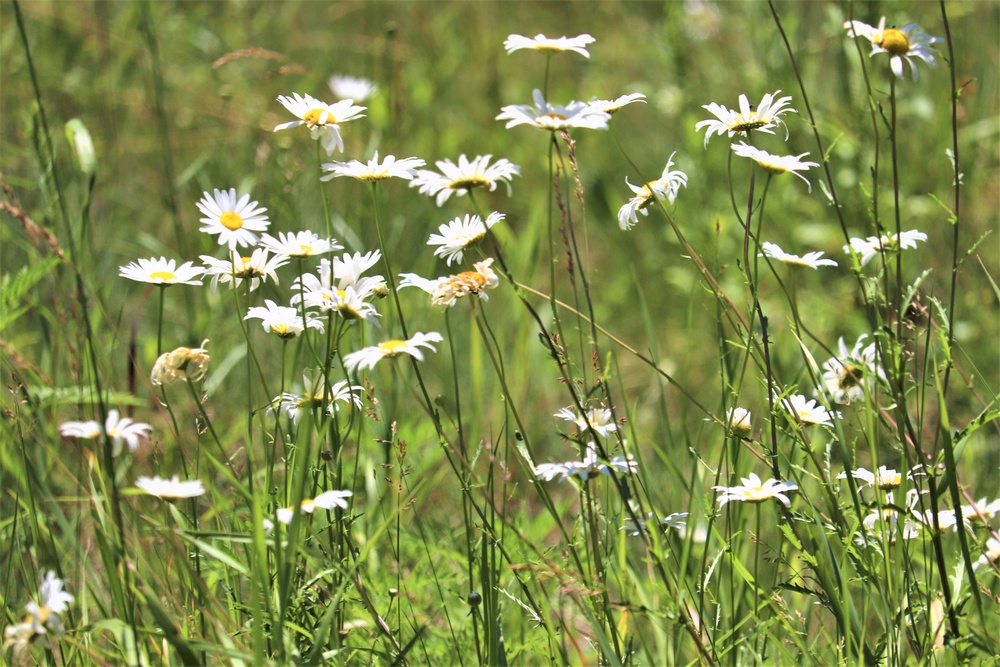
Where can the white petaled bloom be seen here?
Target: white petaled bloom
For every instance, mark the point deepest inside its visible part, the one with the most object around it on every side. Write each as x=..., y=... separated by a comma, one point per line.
x=946, y=520
x=754, y=491
x=545, y=44
x=326, y=501
x=369, y=356
x=467, y=174
x=806, y=411
x=171, y=488
x=761, y=118
x=597, y=419
x=351, y=88
x=740, y=422
x=284, y=321
x=373, y=170
x=587, y=468
x=234, y=220
x=119, y=429
x=901, y=44
x=981, y=509
x=188, y=364
x=256, y=268
x=43, y=614
x=887, y=519
x=313, y=396
x=340, y=286
x=322, y=119
x=776, y=164
x=447, y=290
x=460, y=234
x=868, y=248
x=810, y=259
x=677, y=521
x=848, y=375
x=551, y=117
x=665, y=187
x=884, y=478
x=162, y=271
x=991, y=555
x=299, y=244
x=614, y=106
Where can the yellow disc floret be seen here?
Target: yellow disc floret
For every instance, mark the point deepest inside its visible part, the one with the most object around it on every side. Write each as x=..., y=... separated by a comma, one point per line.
x=895, y=42
x=231, y=221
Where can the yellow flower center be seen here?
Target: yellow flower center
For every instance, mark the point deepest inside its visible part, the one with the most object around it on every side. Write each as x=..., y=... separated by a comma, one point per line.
x=307, y=505
x=753, y=122
x=850, y=376
x=895, y=42
x=557, y=117
x=305, y=249
x=392, y=348
x=283, y=330
x=318, y=117
x=231, y=221
x=165, y=276
x=773, y=167
x=469, y=183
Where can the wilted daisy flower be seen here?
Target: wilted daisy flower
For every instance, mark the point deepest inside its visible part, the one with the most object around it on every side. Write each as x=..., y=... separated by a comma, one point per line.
x=234, y=220
x=299, y=244
x=754, y=491
x=447, y=290
x=162, y=271
x=811, y=259
x=665, y=187
x=545, y=44
x=808, y=412
x=187, y=364
x=322, y=119
x=314, y=397
x=256, y=268
x=586, y=468
x=44, y=614
x=991, y=555
x=981, y=508
x=848, y=374
x=598, y=419
x=740, y=424
x=460, y=234
x=341, y=287
x=351, y=88
x=369, y=356
x=171, y=488
x=868, y=248
x=612, y=107
x=466, y=175
x=550, y=117
x=776, y=164
x=325, y=501
x=677, y=521
x=907, y=43
x=884, y=478
x=373, y=171
x=118, y=428
x=761, y=118
x=281, y=320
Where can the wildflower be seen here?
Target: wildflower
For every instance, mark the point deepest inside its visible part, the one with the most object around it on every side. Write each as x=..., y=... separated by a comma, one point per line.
x=162, y=271
x=888, y=518
x=284, y=321
x=811, y=259
x=188, y=364
x=761, y=118
x=946, y=519
x=866, y=249
x=991, y=556
x=460, y=234
x=447, y=290
x=981, y=508
x=776, y=164
x=665, y=187
x=351, y=88
x=597, y=419
x=299, y=244
x=171, y=488
x=847, y=375
x=373, y=171
x=904, y=43
x=586, y=468
x=809, y=412
x=545, y=44
x=740, y=424
x=322, y=119
x=119, y=429
x=325, y=501
x=754, y=491
x=348, y=296
x=464, y=176
x=235, y=221
x=612, y=107
x=884, y=478
x=677, y=521
x=369, y=356
x=43, y=614
x=256, y=268
x=550, y=117
x=314, y=396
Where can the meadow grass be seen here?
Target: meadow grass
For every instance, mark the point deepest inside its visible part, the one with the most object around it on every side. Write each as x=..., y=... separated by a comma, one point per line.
x=611, y=441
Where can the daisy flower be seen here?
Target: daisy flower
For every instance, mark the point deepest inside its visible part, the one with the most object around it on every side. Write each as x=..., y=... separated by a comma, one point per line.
x=550, y=45
x=612, y=107
x=460, y=234
x=162, y=271
x=848, y=374
x=467, y=174
x=322, y=119
x=340, y=286
x=351, y=88
x=740, y=423
x=809, y=412
x=754, y=491
x=281, y=320
x=234, y=220
x=299, y=244
x=314, y=396
x=43, y=614
x=171, y=488
x=256, y=268
x=990, y=556
x=447, y=290
x=811, y=259
x=946, y=520
x=373, y=171
x=325, y=501
x=587, y=468
x=188, y=364
x=598, y=419
x=665, y=187
x=550, y=117
x=119, y=429
x=776, y=164
x=981, y=509
x=761, y=118
x=884, y=478
x=369, y=356
x=888, y=516
x=901, y=44
x=868, y=248
x=677, y=521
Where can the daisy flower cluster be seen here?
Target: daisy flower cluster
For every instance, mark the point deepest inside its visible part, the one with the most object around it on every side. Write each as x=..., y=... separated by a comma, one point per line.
x=44, y=614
